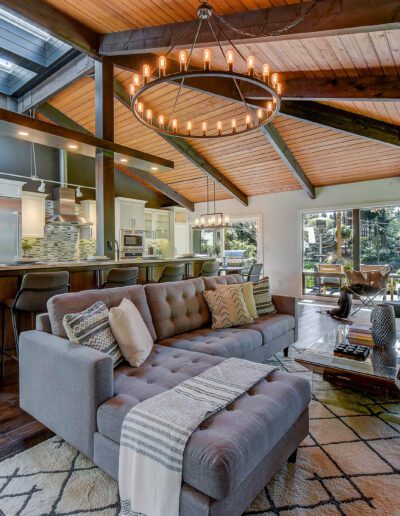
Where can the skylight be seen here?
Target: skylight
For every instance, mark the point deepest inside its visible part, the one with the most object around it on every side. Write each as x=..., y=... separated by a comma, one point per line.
x=24, y=25
x=6, y=66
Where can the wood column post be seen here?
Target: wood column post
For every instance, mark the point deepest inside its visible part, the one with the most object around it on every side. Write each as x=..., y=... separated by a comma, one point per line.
x=356, y=240
x=105, y=191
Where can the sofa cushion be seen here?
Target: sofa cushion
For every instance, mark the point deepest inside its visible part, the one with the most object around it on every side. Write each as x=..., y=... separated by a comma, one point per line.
x=227, y=306
x=63, y=304
x=227, y=342
x=177, y=307
x=228, y=445
x=227, y=279
x=272, y=326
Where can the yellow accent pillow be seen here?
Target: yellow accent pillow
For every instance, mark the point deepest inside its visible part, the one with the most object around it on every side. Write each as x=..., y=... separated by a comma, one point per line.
x=248, y=295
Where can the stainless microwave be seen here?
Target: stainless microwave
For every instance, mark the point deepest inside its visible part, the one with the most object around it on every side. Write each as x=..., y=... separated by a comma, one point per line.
x=131, y=242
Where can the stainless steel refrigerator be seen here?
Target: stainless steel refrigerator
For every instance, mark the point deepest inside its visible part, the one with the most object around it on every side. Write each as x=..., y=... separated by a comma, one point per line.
x=10, y=229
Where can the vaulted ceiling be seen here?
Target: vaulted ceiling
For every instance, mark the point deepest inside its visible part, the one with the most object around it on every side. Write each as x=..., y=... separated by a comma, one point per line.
x=354, y=70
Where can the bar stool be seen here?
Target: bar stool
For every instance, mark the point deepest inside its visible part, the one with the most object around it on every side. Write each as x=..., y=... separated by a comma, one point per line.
x=172, y=273
x=209, y=269
x=254, y=272
x=35, y=290
x=121, y=277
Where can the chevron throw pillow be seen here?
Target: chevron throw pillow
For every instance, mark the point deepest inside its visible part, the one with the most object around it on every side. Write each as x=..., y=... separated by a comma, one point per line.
x=227, y=306
x=263, y=298
x=92, y=328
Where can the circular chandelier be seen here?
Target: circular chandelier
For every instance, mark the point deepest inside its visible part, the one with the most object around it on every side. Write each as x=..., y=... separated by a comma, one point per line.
x=267, y=83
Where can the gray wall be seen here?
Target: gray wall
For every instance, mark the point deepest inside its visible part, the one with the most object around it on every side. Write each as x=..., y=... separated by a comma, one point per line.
x=15, y=158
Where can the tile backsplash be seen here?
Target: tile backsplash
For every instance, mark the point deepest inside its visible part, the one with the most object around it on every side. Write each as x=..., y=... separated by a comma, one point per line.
x=61, y=242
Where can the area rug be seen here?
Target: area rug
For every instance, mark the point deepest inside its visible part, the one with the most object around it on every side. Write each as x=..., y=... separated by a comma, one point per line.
x=349, y=464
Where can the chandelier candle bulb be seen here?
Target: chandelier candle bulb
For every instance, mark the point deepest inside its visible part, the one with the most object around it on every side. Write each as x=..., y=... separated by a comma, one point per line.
x=204, y=128
x=233, y=125
x=269, y=108
x=161, y=121
x=250, y=65
x=207, y=58
x=226, y=219
x=162, y=66
x=131, y=89
x=219, y=128
x=265, y=72
x=197, y=222
x=189, y=127
x=279, y=89
x=274, y=79
x=230, y=57
x=202, y=221
x=182, y=60
x=248, y=121
x=174, y=125
x=146, y=73
x=149, y=116
x=140, y=108
x=260, y=115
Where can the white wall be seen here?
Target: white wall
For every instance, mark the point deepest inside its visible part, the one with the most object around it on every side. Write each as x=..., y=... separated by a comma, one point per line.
x=280, y=216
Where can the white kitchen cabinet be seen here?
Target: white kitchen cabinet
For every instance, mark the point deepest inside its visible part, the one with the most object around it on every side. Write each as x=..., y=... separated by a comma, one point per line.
x=156, y=224
x=129, y=214
x=179, y=236
x=33, y=214
x=89, y=213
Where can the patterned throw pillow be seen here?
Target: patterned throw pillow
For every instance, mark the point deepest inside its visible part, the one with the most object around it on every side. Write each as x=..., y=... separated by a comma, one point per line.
x=247, y=290
x=92, y=328
x=227, y=306
x=263, y=298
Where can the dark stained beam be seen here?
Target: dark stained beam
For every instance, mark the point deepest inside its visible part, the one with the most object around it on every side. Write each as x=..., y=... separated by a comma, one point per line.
x=280, y=146
x=104, y=164
x=341, y=120
x=60, y=118
x=56, y=23
x=141, y=160
x=329, y=17
x=182, y=146
x=79, y=67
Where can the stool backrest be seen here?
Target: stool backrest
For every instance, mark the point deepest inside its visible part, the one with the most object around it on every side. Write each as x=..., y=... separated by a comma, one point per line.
x=172, y=273
x=209, y=269
x=121, y=277
x=255, y=272
x=37, y=288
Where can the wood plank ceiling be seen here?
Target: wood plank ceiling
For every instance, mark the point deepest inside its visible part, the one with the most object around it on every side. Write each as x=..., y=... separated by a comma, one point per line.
x=327, y=156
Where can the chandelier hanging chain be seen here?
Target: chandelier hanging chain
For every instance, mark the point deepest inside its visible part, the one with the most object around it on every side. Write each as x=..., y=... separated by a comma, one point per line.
x=276, y=32
x=188, y=64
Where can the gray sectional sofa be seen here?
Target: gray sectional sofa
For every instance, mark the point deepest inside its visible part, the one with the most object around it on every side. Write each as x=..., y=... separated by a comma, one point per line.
x=76, y=393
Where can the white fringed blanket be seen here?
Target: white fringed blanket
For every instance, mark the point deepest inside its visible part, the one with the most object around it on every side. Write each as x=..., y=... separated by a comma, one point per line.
x=155, y=432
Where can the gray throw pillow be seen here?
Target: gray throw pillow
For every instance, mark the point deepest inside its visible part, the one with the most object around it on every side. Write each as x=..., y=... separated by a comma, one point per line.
x=91, y=328
x=263, y=298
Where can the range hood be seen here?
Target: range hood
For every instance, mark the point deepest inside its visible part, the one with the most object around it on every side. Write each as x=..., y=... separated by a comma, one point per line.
x=64, y=207
x=64, y=199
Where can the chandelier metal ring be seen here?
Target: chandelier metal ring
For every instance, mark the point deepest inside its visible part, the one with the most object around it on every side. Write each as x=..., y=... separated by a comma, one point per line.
x=136, y=100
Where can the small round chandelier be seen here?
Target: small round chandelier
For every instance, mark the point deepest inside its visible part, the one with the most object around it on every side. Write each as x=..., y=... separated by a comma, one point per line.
x=266, y=82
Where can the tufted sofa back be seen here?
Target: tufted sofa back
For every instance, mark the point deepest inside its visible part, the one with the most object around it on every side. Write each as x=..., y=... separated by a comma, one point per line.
x=177, y=307
x=227, y=279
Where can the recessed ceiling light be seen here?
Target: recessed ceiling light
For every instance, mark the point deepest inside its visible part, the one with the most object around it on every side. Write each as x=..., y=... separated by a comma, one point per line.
x=23, y=133
x=72, y=146
x=154, y=168
x=123, y=160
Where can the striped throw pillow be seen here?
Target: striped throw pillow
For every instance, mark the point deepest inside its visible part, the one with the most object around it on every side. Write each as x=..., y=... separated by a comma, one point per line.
x=227, y=306
x=92, y=328
x=263, y=298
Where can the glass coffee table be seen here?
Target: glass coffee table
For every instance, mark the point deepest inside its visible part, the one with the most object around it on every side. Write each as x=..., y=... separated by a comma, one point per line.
x=378, y=374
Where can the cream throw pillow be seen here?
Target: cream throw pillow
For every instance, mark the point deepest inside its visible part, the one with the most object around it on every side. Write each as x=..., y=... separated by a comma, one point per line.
x=247, y=289
x=131, y=333
x=227, y=306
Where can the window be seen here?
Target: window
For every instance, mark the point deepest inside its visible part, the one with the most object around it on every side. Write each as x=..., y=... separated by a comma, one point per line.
x=242, y=236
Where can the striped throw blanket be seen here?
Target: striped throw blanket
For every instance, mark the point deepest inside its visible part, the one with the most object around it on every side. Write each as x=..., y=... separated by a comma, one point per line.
x=155, y=432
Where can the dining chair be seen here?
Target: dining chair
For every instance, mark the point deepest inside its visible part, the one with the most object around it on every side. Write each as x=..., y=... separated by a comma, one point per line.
x=254, y=272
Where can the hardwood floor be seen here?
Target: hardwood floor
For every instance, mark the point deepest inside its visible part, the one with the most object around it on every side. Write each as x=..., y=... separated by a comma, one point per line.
x=19, y=431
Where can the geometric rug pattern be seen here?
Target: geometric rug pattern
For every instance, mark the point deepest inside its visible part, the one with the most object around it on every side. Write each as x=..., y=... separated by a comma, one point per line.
x=349, y=464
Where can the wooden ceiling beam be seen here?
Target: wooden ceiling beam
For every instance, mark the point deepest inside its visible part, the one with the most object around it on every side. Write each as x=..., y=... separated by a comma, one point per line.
x=330, y=17
x=56, y=23
x=341, y=120
x=58, y=117
x=281, y=148
x=79, y=67
x=182, y=146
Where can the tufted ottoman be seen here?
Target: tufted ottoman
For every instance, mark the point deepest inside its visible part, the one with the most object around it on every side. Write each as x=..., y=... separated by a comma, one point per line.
x=235, y=452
